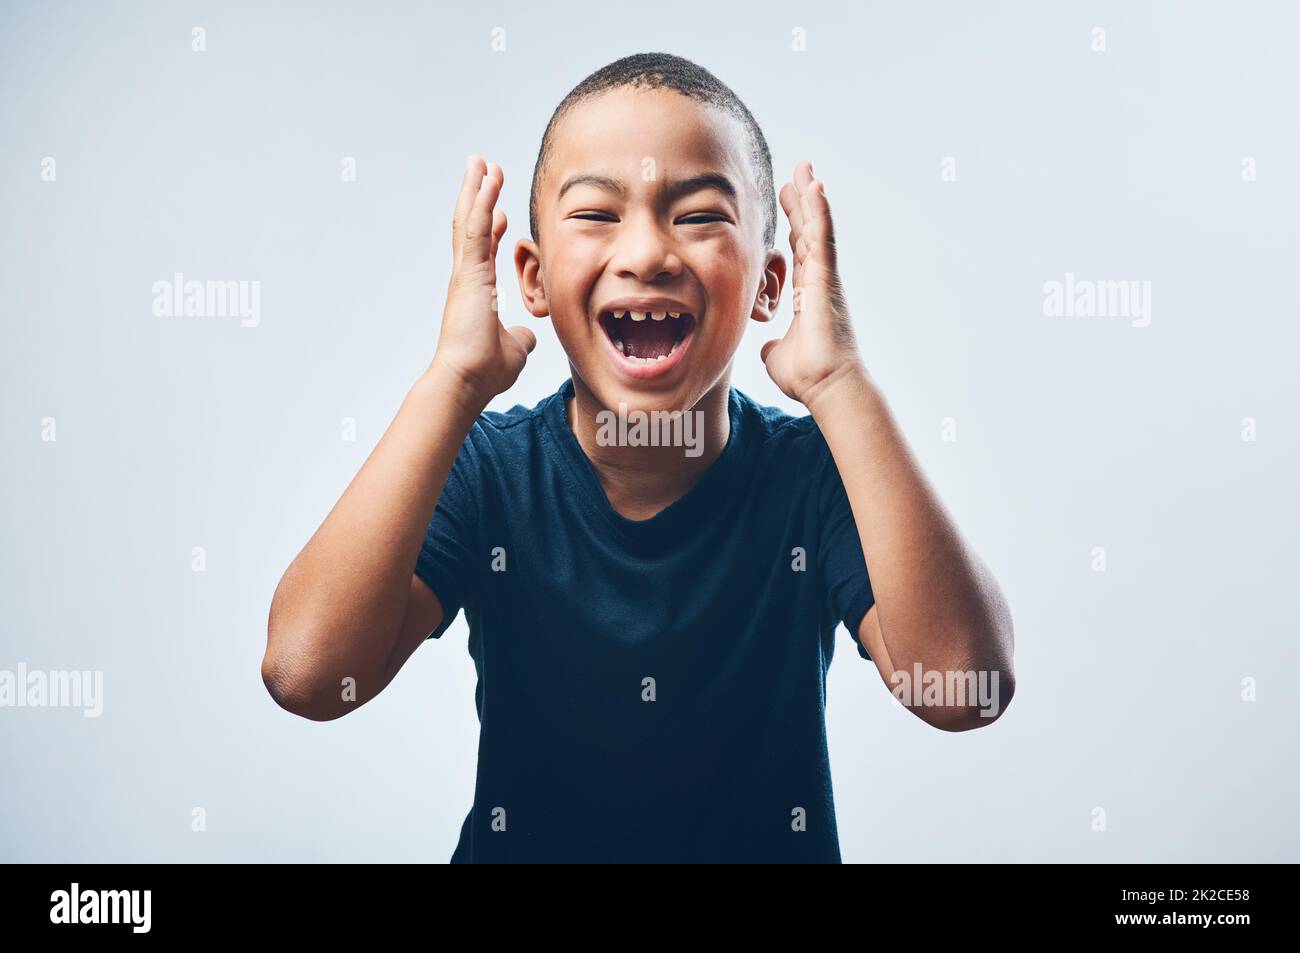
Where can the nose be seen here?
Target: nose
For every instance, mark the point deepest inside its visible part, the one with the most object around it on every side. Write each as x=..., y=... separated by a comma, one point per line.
x=644, y=251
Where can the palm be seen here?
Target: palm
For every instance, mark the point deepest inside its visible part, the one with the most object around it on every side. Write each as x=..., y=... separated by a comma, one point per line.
x=473, y=341
x=820, y=338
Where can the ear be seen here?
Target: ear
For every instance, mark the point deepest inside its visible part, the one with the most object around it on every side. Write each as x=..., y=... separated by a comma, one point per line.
x=769, y=290
x=528, y=266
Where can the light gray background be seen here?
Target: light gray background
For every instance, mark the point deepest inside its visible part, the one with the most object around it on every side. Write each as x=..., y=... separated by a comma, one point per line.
x=1072, y=433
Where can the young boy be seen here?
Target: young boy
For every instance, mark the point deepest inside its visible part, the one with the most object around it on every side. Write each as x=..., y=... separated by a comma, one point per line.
x=652, y=565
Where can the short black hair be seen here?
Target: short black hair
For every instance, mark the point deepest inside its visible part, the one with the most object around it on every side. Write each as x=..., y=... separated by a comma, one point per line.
x=666, y=71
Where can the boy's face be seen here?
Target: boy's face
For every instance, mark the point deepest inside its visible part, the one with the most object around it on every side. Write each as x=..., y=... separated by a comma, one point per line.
x=648, y=206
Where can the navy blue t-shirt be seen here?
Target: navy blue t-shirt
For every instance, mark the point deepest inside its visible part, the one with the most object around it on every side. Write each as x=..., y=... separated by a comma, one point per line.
x=651, y=690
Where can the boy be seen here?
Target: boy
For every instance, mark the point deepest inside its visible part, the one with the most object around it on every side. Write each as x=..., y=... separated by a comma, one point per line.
x=651, y=619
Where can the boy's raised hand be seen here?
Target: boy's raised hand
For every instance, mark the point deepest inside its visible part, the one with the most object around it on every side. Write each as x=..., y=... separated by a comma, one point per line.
x=473, y=346
x=820, y=344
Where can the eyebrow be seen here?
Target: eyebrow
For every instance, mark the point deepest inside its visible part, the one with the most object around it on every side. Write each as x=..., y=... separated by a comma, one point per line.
x=698, y=183
x=675, y=190
x=590, y=178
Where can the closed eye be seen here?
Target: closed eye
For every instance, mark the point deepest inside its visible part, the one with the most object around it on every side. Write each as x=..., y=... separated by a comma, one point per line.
x=700, y=218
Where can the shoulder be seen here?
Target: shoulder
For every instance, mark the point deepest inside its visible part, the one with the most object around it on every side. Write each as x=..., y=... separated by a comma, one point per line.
x=517, y=426
x=793, y=460
x=500, y=442
x=774, y=433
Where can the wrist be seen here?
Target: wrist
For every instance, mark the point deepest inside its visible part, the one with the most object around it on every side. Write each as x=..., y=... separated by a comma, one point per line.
x=452, y=388
x=847, y=385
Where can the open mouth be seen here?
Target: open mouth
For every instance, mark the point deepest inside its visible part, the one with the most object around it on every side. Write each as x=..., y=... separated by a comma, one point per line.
x=647, y=337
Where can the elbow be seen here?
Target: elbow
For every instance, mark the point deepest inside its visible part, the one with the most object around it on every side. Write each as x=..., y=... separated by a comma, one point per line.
x=962, y=695
x=293, y=679
x=297, y=691
x=982, y=696
x=993, y=693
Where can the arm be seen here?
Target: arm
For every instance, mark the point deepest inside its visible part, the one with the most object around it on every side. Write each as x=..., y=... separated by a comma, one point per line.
x=349, y=605
x=937, y=604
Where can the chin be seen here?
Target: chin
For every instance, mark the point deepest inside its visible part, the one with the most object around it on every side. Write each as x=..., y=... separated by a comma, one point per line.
x=679, y=395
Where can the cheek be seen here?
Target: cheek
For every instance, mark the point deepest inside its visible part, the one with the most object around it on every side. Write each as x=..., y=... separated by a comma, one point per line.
x=575, y=248
x=570, y=272
x=727, y=272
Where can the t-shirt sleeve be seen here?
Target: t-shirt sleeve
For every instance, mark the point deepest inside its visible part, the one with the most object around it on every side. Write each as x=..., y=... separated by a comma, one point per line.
x=446, y=560
x=842, y=564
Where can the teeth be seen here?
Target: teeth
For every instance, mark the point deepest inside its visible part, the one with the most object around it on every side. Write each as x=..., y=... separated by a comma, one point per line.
x=645, y=360
x=641, y=316
x=653, y=315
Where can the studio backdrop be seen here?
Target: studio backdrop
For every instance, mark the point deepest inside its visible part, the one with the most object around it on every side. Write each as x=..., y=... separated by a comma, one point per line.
x=1068, y=239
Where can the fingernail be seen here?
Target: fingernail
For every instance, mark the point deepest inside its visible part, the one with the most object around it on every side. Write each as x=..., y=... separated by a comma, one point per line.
x=469, y=161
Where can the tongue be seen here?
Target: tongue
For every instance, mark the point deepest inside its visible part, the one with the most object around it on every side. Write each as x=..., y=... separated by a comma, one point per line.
x=646, y=339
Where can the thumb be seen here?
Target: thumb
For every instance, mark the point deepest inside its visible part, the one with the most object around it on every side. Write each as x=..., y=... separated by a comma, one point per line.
x=524, y=336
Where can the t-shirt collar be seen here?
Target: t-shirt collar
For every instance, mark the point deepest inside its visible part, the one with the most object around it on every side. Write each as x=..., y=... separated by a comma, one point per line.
x=701, y=500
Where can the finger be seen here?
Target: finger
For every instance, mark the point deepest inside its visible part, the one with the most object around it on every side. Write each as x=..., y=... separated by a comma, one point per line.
x=477, y=239
x=803, y=181
x=789, y=197
x=767, y=349
x=498, y=229
x=803, y=175
x=802, y=248
x=818, y=200
x=819, y=231
x=816, y=210
x=524, y=336
x=799, y=246
x=796, y=261
x=469, y=186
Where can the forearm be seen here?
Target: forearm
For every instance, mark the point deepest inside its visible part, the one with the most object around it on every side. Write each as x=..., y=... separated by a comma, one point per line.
x=338, y=609
x=937, y=603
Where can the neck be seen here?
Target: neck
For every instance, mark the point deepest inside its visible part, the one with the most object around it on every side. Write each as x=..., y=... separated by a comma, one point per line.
x=639, y=481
